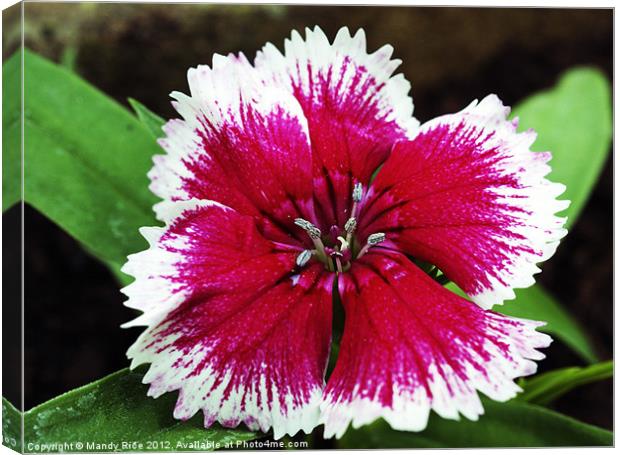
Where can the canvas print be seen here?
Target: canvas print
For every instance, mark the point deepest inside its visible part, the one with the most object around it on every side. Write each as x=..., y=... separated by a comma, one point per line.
x=298, y=227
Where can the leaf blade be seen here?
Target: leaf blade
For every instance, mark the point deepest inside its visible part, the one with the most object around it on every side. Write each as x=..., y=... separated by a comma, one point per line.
x=573, y=121
x=85, y=159
x=547, y=387
x=511, y=424
x=149, y=119
x=11, y=426
x=537, y=304
x=116, y=409
x=11, y=131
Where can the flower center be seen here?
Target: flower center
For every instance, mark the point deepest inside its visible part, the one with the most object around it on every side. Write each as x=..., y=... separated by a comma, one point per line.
x=339, y=247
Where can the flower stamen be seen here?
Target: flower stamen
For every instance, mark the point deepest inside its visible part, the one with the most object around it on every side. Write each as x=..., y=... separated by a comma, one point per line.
x=351, y=223
x=303, y=258
x=376, y=238
x=338, y=264
x=357, y=194
x=344, y=245
x=313, y=231
x=315, y=235
x=350, y=226
x=373, y=239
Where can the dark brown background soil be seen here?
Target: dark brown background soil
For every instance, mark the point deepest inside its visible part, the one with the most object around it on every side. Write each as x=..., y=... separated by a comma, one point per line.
x=451, y=56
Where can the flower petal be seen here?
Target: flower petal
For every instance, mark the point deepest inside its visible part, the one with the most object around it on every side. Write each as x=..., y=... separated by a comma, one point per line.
x=241, y=143
x=229, y=326
x=468, y=196
x=410, y=345
x=355, y=108
x=205, y=248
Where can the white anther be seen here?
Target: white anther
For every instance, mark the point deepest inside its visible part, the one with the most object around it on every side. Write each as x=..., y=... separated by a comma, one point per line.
x=315, y=234
x=313, y=231
x=357, y=192
x=373, y=239
x=376, y=238
x=350, y=225
x=303, y=258
x=302, y=223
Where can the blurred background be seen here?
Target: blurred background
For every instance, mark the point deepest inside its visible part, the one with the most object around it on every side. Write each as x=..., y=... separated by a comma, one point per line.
x=450, y=55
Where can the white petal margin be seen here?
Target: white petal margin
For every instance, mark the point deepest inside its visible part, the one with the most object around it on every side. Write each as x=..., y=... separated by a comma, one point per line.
x=260, y=411
x=418, y=336
x=451, y=396
x=536, y=195
x=151, y=292
x=217, y=96
x=263, y=386
x=237, y=300
x=306, y=61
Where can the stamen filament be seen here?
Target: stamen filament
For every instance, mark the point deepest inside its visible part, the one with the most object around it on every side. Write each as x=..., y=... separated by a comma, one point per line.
x=338, y=265
x=351, y=223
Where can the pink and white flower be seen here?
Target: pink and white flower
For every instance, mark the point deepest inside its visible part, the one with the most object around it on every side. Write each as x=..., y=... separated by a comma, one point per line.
x=270, y=206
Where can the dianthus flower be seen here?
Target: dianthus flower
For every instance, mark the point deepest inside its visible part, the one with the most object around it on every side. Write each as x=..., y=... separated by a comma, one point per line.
x=305, y=175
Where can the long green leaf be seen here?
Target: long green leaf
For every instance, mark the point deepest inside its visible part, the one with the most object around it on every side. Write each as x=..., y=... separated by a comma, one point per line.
x=86, y=159
x=149, y=119
x=11, y=132
x=547, y=387
x=573, y=121
x=512, y=424
x=535, y=303
x=113, y=411
x=11, y=426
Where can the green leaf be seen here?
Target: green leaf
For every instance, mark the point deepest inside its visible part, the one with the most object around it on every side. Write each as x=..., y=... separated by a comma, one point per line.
x=573, y=121
x=116, y=410
x=512, y=424
x=11, y=424
x=545, y=388
x=86, y=160
x=149, y=119
x=68, y=58
x=535, y=303
x=11, y=132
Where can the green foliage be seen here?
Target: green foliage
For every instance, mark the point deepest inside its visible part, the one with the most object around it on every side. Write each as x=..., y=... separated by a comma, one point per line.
x=511, y=424
x=86, y=159
x=11, y=131
x=547, y=387
x=573, y=121
x=114, y=410
x=11, y=425
x=149, y=119
x=535, y=303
